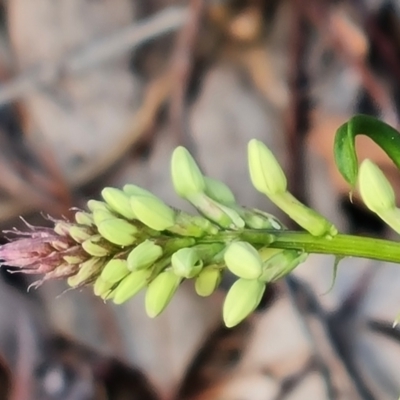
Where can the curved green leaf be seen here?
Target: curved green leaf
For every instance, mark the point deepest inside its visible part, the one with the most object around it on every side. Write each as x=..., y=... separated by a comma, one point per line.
x=381, y=133
x=334, y=273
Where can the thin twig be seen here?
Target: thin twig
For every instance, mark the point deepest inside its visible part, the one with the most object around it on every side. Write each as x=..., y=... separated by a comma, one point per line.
x=384, y=46
x=94, y=54
x=315, y=12
x=342, y=322
x=5, y=379
x=53, y=180
x=182, y=61
x=337, y=381
x=24, y=382
x=297, y=114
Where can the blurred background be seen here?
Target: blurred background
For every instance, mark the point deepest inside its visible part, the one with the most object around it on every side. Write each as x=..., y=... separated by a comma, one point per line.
x=99, y=92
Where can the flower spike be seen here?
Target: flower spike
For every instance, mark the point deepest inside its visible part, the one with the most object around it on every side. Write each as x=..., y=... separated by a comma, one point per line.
x=132, y=241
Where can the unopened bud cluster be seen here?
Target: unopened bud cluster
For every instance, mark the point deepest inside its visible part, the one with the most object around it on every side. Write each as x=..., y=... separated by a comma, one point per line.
x=132, y=241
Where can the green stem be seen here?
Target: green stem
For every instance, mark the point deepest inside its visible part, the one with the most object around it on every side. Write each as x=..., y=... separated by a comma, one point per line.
x=339, y=245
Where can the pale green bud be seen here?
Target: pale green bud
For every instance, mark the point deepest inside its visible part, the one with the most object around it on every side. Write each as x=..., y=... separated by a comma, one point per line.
x=144, y=255
x=153, y=212
x=252, y=220
x=61, y=271
x=160, y=292
x=133, y=190
x=96, y=246
x=118, y=201
x=72, y=260
x=243, y=260
x=265, y=172
x=242, y=299
x=109, y=295
x=60, y=245
x=256, y=220
x=375, y=189
x=236, y=219
x=186, y=175
x=208, y=281
x=80, y=233
x=118, y=231
x=72, y=281
x=102, y=215
x=131, y=285
x=307, y=218
x=88, y=270
x=219, y=192
x=101, y=287
x=280, y=264
x=115, y=270
x=378, y=194
x=268, y=177
x=192, y=225
x=224, y=216
x=269, y=220
x=83, y=218
x=392, y=218
x=186, y=263
x=97, y=205
x=62, y=228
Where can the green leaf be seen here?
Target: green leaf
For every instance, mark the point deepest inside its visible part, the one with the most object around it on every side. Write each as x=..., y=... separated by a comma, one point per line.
x=334, y=274
x=381, y=133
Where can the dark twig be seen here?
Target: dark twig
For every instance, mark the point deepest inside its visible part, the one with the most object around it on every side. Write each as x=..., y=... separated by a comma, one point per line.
x=16, y=186
x=318, y=14
x=26, y=183
x=297, y=114
x=56, y=182
x=290, y=384
x=94, y=54
x=182, y=63
x=384, y=46
x=342, y=321
x=5, y=379
x=385, y=328
x=24, y=382
x=340, y=375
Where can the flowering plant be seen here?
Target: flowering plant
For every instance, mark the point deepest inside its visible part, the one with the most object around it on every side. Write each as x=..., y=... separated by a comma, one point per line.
x=132, y=240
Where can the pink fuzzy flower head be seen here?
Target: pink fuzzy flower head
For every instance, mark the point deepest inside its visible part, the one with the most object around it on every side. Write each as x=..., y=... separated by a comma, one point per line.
x=41, y=250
